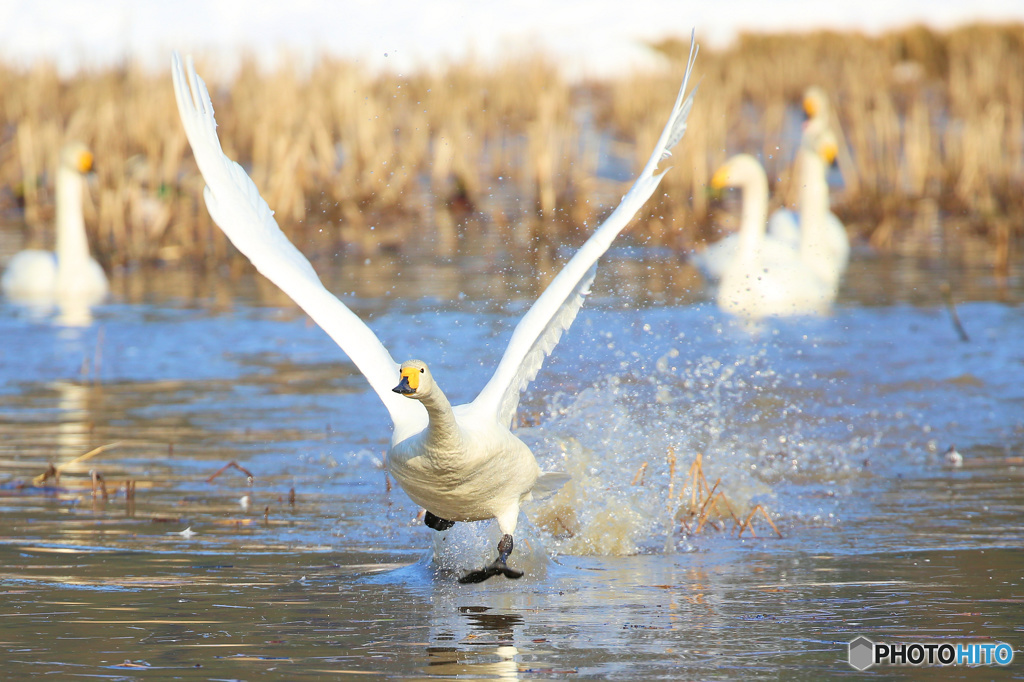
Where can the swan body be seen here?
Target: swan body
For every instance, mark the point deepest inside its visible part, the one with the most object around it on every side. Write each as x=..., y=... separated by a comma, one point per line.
x=459, y=463
x=69, y=274
x=714, y=260
x=457, y=470
x=784, y=230
x=755, y=286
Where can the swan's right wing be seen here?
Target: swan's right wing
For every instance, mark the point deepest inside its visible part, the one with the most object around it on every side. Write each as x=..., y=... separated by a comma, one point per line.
x=538, y=332
x=238, y=209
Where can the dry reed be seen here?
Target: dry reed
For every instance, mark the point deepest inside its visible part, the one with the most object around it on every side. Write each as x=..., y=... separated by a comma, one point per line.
x=348, y=160
x=707, y=504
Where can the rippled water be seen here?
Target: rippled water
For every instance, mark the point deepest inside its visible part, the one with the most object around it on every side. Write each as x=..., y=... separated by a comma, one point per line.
x=836, y=426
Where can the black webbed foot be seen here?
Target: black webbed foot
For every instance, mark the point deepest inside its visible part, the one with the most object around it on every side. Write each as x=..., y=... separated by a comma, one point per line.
x=498, y=567
x=436, y=522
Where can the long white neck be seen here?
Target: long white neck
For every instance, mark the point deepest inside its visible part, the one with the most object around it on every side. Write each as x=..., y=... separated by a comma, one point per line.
x=443, y=436
x=72, y=247
x=814, y=206
x=754, y=215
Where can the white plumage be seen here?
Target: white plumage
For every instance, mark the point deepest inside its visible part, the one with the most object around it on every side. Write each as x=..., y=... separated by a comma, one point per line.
x=754, y=283
x=69, y=275
x=826, y=247
x=461, y=463
x=784, y=225
x=823, y=244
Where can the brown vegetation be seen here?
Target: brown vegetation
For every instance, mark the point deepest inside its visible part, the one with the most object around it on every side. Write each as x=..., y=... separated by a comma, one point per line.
x=349, y=160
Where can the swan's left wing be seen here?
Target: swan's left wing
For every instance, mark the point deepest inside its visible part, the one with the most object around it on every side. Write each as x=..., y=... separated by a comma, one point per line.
x=538, y=332
x=238, y=209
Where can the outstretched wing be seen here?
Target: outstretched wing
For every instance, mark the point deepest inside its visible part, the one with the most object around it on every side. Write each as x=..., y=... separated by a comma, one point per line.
x=538, y=332
x=238, y=209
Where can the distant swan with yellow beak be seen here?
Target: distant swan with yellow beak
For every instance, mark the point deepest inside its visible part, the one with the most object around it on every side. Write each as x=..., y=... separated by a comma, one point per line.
x=69, y=274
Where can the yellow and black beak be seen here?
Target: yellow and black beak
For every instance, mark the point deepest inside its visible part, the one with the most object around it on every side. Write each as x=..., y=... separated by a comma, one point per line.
x=409, y=383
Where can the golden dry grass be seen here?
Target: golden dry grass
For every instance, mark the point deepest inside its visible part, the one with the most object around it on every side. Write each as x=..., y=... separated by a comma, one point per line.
x=934, y=123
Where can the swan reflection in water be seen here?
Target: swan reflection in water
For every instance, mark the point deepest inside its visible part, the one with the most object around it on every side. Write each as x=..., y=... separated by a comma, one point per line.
x=486, y=649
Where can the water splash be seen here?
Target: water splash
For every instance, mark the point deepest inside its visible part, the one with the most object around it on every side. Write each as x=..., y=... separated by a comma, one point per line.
x=629, y=441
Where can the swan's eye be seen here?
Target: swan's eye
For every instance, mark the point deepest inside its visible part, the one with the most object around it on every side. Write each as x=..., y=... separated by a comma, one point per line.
x=421, y=371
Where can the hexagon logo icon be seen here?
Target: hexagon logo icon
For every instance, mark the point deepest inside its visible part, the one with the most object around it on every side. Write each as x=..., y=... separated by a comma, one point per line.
x=862, y=653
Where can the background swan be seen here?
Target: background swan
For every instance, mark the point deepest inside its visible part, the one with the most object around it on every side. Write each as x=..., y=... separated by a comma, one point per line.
x=461, y=463
x=784, y=224
x=716, y=258
x=821, y=238
x=68, y=275
x=753, y=285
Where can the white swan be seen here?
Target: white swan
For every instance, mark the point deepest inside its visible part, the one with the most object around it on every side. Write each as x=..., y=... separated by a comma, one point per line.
x=461, y=463
x=821, y=238
x=69, y=275
x=715, y=259
x=755, y=286
x=784, y=225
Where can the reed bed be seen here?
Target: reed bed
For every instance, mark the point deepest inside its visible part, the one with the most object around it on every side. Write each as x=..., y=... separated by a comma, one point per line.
x=349, y=160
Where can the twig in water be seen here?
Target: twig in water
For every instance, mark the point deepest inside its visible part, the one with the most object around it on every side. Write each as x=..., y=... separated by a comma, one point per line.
x=51, y=472
x=56, y=471
x=947, y=295
x=705, y=498
x=638, y=479
x=728, y=507
x=701, y=514
x=98, y=482
x=232, y=465
x=129, y=497
x=697, y=481
x=671, y=472
x=748, y=524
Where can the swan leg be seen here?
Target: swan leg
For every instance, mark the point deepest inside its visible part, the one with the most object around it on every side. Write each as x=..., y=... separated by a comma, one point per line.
x=507, y=525
x=497, y=567
x=436, y=522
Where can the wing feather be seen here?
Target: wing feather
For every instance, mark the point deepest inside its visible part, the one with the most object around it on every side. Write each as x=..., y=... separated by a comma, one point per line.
x=236, y=206
x=540, y=329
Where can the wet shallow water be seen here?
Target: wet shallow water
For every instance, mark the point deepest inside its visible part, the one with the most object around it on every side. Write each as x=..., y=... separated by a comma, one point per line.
x=837, y=426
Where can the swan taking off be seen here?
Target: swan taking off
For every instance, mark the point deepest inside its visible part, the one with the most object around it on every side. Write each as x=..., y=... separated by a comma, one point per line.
x=459, y=463
x=69, y=275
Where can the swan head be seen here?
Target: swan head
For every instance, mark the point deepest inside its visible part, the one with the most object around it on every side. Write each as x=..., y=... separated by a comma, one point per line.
x=819, y=140
x=739, y=171
x=416, y=380
x=828, y=147
x=815, y=103
x=823, y=144
x=77, y=157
